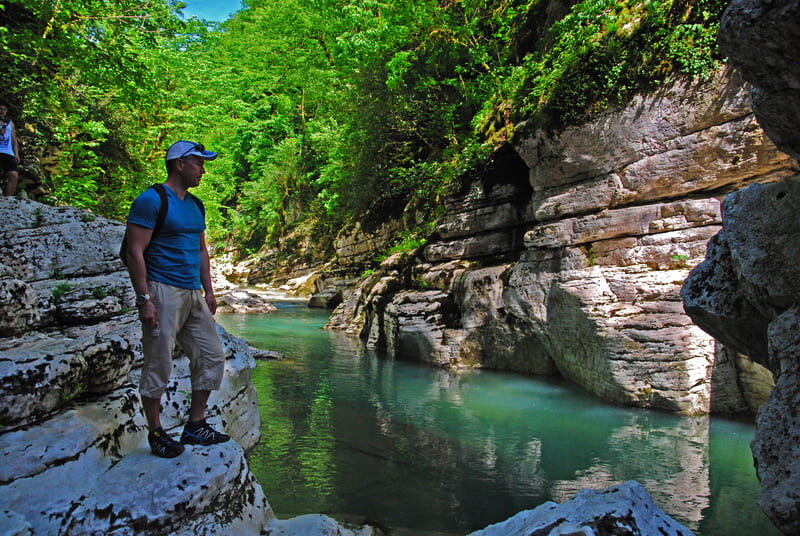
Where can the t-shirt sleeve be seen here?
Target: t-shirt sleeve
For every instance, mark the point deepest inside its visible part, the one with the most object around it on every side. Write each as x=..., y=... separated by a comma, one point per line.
x=144, y=209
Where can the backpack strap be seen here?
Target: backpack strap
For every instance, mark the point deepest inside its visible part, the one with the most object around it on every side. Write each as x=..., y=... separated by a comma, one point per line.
x=162, y=210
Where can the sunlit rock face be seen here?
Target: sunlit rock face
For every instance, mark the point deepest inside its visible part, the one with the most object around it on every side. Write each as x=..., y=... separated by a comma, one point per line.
x=568, y=256
x=746, y=291
x=72, y=435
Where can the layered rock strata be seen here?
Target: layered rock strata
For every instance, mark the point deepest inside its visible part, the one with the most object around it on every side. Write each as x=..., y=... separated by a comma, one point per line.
x=568, y=257
x=72, y=434
x=746, y=291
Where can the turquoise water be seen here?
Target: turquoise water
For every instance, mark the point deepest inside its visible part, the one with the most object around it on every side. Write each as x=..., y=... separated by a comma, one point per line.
x=348, y=432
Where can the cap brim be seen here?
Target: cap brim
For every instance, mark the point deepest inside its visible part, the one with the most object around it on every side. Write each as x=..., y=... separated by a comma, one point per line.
x=207, y=155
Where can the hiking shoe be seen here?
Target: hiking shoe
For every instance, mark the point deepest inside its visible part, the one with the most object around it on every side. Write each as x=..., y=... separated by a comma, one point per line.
x=162, y=444
x=201, y=433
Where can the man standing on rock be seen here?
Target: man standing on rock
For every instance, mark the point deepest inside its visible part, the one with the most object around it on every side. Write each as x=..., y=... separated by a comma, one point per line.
x=170, y=268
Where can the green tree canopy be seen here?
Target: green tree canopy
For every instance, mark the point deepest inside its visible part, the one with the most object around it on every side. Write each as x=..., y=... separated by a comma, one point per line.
x=322, y=110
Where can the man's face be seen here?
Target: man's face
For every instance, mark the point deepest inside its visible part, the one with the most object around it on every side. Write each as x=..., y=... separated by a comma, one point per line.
x=193, y=169
x=3, y=110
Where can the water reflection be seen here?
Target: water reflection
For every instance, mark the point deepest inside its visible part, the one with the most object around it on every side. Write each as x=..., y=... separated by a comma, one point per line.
x=347, y=431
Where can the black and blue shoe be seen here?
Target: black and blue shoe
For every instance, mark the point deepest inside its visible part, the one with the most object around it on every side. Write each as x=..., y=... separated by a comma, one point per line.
x=162, y=445
x=201, y=433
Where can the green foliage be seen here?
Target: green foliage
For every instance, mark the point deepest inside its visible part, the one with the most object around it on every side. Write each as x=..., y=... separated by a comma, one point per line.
x=325, y=110
x=680, y=260
x=88, y=79
x=37, y=217
x=187, y=394
x=99, y=293
x=68, y=393
x=61, y=289
x=591, y=257
x=421, y=284
x=603, y=51
x=409, y=242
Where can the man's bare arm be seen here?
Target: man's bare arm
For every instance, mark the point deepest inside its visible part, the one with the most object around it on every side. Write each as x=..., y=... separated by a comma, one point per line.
x=138, y=240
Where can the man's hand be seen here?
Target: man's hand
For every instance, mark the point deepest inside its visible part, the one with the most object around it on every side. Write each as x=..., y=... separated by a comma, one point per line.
x=211, y=301
x=148, y=314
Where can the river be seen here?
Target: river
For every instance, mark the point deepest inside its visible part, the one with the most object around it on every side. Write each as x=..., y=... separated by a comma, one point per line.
x=350, y=433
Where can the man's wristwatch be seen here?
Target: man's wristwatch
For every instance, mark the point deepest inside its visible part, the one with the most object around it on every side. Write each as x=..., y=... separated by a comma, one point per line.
x=141, y=299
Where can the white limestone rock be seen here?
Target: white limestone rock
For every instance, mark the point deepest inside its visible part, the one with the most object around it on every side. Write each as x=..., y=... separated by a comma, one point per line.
x=41, y=242
x=414, y=326
x=775, y=448
x=762, y=242
x=619, y=332
x=42, y=372
x=244, y=301
x=635, y=221
x=684, y=138
x=327, y=299
x=359, y=244
x=52, y=273
x=233, y=299
x=314, y=525
x=13, y=524
x=744, y=293
x=205, y=490
x=73, y=439
x=623, y=510
x=21, y=308
x=111, y=425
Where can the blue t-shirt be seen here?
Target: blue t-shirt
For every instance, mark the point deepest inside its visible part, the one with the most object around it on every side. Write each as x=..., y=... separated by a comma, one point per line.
x=173, y=256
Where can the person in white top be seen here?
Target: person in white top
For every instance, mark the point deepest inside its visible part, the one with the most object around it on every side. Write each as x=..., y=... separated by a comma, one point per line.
x=9, y=151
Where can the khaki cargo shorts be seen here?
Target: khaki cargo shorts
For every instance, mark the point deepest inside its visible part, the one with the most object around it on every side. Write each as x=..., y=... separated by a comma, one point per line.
x=183, y=315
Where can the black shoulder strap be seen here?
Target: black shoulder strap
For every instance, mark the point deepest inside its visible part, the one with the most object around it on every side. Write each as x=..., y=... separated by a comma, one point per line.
x=162, y=210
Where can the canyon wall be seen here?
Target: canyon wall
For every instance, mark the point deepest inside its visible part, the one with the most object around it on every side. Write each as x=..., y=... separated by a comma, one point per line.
x=746, y=292
x=568, y=256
